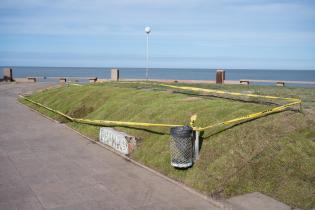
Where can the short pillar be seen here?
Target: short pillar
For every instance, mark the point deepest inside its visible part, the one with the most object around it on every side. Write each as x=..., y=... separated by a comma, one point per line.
x=7, y=74
x=115, y=75
x=220, y=76
x=93, y=79
x=62, y=80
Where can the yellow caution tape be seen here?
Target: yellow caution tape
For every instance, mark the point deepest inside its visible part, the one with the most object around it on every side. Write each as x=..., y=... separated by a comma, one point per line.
x=100, y=122
x=193, y=120
x=228, y=93
x=293, y=101
x=250, y=116
x=48, y=108
x=121, y=123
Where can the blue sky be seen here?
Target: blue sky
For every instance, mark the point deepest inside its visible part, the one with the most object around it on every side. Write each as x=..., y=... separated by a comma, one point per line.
x=257, y=34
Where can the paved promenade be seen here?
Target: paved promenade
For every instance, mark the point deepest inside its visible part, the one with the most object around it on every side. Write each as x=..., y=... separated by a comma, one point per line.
x=44, y=165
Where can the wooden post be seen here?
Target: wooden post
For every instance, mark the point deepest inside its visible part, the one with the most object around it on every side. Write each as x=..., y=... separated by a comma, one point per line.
x=220, y=76
x=115, y=75
x=7, y=74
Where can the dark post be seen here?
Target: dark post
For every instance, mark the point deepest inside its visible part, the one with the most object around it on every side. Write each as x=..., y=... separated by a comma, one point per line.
x=220, y=76
x=7, y=74
x=115, y=75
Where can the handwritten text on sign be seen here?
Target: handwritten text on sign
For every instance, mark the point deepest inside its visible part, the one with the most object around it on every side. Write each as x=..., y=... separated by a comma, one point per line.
x=120, y=141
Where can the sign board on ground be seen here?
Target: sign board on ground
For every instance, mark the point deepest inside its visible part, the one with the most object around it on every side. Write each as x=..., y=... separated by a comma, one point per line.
x=119, y=141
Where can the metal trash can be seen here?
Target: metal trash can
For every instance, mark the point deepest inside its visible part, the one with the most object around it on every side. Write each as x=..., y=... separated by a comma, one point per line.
x=181, y=146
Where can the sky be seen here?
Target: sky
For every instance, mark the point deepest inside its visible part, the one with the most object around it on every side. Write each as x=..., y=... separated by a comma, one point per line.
x=229, y=34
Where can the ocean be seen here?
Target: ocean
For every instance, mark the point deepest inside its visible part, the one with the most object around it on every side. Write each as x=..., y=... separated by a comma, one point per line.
x=166, y=73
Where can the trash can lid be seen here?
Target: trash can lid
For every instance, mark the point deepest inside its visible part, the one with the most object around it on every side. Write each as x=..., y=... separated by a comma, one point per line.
x=181, y=131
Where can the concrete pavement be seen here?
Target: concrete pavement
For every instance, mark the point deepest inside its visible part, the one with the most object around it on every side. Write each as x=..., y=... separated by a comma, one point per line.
x=44, y=165
x=257, y=201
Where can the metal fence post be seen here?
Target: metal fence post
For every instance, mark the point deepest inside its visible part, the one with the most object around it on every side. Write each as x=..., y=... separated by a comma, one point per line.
x=197, y=134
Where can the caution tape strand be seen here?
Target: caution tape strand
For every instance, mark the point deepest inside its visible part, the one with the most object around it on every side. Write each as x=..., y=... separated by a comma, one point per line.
x=228, y=93
x=293, y=101
x=249, y=117
x=101, y=122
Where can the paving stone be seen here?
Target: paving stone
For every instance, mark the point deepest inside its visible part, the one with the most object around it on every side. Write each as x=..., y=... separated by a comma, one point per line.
x=257, y=201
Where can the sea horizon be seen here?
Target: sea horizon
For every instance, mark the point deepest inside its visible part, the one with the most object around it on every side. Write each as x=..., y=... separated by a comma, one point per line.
x=141, y=67
x=166, y=73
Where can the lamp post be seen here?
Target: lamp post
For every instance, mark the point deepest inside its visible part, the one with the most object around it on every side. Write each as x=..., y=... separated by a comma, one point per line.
x=147, y=30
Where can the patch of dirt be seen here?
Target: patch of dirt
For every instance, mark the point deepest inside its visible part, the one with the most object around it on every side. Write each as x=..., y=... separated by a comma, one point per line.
x=81, y=111
x=170, y=91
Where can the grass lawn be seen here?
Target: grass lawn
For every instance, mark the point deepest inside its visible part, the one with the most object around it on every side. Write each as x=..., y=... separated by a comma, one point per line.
x=274, y=155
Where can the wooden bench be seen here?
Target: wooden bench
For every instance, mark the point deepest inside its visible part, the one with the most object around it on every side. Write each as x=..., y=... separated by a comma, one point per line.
x=280, y=84
x=62, y=80
x=93, y=79
x=244, y=82
x=31, y=79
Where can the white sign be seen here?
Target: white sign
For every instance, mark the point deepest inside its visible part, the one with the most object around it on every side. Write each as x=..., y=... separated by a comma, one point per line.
x=120, y=141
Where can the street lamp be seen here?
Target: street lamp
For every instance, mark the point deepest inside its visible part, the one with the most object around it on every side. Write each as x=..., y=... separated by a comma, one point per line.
x=147, y=30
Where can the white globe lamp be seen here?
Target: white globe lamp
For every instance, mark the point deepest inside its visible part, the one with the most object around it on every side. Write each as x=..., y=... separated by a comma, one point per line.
x=147, y=30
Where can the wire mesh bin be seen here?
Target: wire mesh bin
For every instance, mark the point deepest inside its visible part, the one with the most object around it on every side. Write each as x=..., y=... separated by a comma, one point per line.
x=181, y=146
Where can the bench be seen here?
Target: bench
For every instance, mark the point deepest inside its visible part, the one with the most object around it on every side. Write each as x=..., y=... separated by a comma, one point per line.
x=93, y=79
x=280, y=84
x=31, y=79
x=62, y=80
x=244, y=82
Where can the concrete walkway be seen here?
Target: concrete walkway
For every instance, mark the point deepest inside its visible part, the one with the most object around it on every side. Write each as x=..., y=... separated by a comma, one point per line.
x=44, y=165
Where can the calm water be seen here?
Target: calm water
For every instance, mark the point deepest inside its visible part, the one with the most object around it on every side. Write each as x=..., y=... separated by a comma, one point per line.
x=173, y=74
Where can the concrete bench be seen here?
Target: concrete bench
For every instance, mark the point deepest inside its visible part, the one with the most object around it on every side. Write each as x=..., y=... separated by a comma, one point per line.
x=62, y=80
x=244, y=82
x=93, y=79
x=280, y=84
x=31, y=79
